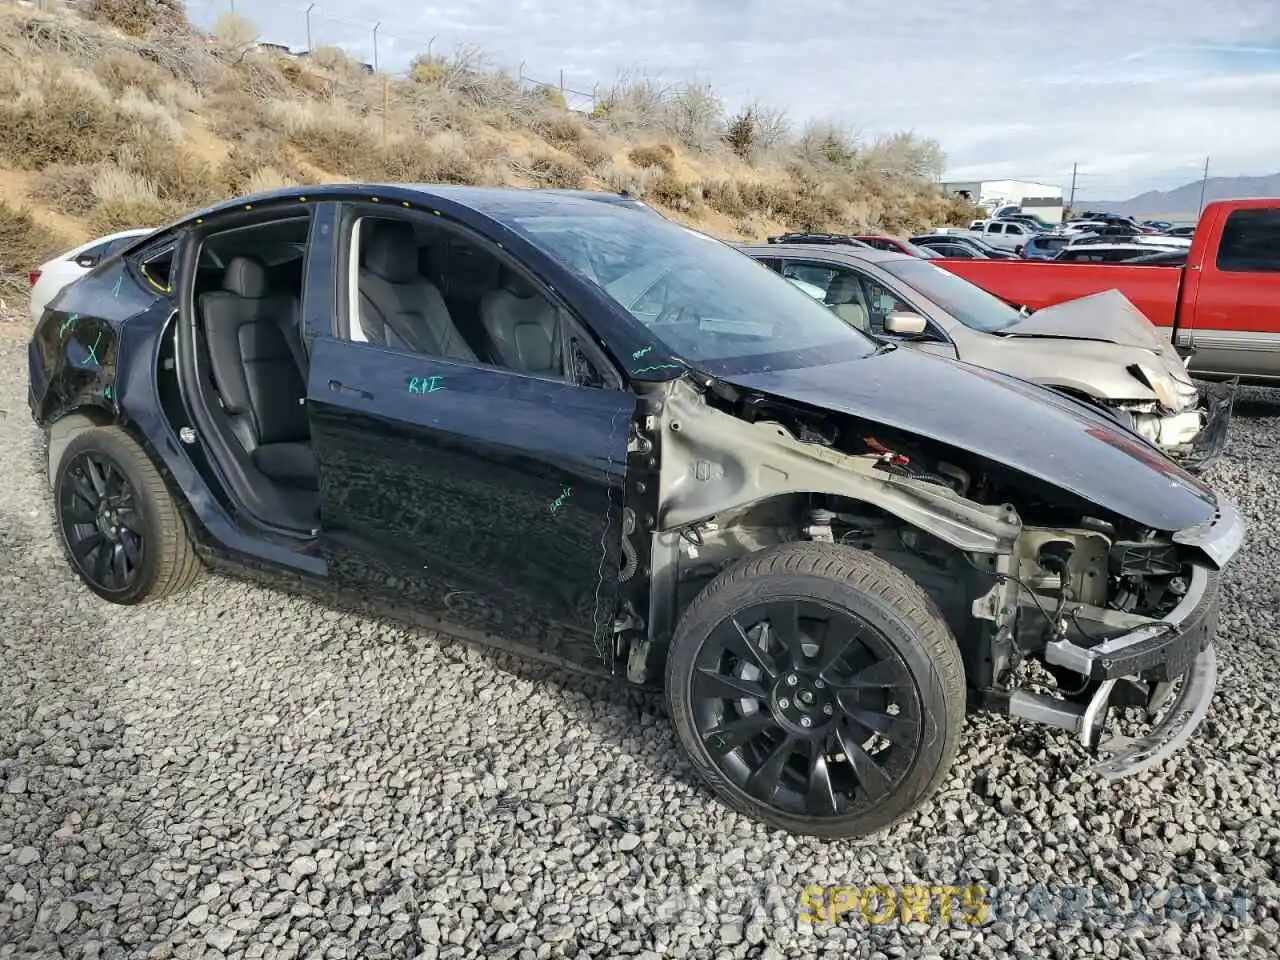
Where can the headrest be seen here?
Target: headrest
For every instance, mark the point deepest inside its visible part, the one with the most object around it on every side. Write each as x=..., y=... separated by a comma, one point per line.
x=390, y=250
x=514, y=283
x=844, y=289
x=246, y=277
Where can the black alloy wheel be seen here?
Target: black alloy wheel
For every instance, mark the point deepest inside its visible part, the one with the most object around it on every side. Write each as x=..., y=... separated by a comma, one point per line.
x=120, y=526
x=817, y=689
x=806, y=707
x=104, y=530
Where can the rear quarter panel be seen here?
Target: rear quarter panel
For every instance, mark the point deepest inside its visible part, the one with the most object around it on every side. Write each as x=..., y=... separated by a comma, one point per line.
x=1153, y=290
x=74, y=356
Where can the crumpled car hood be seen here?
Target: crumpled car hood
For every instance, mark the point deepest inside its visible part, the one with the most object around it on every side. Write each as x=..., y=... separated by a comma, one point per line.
x=1012, y=422
x=1108, y=316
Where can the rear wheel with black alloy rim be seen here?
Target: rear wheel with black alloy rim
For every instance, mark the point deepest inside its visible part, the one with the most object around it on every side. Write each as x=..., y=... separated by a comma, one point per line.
x=818, y=689
x=120, y=528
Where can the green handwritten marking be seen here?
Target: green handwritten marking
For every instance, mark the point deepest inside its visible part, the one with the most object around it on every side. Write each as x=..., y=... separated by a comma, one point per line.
x=558, y=502
x=115, y=291
x=659, y=366
x=106, y=392
x=422, y=385
x=93, y=352
x=68, y=323
x=640, y=353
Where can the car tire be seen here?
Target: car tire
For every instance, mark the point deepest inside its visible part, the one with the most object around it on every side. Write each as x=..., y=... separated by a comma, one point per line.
x=810, y=696
x=110, y=501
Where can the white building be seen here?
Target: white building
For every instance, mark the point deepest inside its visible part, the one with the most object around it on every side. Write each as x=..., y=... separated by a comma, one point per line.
x=1042, y=199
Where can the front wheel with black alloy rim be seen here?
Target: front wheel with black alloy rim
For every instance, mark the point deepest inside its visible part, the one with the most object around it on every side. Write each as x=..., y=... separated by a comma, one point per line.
x=817, y=688
x=120, y=528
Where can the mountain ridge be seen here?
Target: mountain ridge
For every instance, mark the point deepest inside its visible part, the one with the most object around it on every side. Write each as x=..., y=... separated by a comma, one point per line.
x=1183, y=203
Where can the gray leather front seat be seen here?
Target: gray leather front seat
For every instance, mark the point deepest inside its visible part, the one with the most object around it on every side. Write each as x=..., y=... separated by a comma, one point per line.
x=522, y=326
x=399, y=306
x=844, y=296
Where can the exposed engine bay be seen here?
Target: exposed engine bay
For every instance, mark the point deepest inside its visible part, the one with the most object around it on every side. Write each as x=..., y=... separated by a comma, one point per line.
x=1037, y=586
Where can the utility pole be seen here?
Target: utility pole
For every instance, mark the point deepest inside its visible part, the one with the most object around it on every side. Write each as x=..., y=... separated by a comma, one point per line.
x=1071, y=204
x=309, y=28
x=1204, y=182
x=375, y=45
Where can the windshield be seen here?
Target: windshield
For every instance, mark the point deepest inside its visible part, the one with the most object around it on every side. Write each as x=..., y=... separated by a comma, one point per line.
x=971, y=305
x=703, y=299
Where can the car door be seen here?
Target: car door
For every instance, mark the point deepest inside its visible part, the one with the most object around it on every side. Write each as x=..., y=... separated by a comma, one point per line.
x=486, y=496
x=1231, y=304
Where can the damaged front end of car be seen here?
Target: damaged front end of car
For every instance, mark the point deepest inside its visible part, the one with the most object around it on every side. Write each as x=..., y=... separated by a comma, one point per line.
x=1188, y=423
x=1065, y=610
x=1120, y=618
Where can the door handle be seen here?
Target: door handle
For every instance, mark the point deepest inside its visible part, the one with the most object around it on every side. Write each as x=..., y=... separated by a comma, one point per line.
x=339, y=387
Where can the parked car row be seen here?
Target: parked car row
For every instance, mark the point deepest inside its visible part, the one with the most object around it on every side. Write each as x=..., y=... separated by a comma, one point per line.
x=559, y=422
x=1099, y=349
x=1217, y=301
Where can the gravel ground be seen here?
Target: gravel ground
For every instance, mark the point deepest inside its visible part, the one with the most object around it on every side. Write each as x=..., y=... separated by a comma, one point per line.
x=241, y=773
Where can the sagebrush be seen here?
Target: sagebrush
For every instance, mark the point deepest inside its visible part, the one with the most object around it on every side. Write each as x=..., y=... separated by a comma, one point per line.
x=124, y=116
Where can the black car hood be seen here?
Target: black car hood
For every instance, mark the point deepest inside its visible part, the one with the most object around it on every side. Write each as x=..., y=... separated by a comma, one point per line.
x=1011, y=422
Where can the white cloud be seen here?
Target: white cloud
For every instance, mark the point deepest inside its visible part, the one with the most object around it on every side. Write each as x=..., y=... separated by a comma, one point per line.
x=1136, y=91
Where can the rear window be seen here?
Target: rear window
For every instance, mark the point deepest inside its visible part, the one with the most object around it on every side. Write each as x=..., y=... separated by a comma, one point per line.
x=1251, y=242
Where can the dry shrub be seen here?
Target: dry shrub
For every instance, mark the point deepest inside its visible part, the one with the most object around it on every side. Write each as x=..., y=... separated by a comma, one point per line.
x=670, y=191
x=267, y=178
x=482, y=149
x=138, y=17
x=24, y=244
x=333, y=59
x=235, y=116
x=120, y=70
x=421, y=161
x=177, y=176
x=156, y=120
x=67, y=187
x=623, y=178
x=724, y=197
x=333, y=140
x=591, y=150
x=556, y=170
x=126, y=200
x=569, y=133
x=695, y=116
x=259, y=149
x=59, y=122
x=658, y=155
x=300, y=78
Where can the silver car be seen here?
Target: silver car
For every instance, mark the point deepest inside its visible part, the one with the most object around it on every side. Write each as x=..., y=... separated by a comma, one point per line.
x=1100, y=349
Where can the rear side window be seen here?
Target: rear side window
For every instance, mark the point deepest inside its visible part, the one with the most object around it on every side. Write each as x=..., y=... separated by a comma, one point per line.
x=1251, y=242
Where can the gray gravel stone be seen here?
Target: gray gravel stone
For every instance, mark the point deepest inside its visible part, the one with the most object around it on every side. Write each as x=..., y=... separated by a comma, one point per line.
x=246, y=772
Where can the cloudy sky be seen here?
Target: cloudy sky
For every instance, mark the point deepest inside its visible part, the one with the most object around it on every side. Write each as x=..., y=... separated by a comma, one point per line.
x=1137, y=92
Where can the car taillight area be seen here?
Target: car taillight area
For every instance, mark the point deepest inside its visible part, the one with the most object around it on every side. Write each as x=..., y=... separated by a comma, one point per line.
x=34, y=277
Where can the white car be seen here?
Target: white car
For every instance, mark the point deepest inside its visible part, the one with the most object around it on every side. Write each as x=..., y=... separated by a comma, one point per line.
x=50, y=277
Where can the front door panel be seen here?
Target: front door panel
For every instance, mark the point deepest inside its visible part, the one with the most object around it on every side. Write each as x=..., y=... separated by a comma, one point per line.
x=480, y=496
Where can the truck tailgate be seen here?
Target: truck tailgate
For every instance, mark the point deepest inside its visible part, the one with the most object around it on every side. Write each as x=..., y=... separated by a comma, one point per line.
x=1153, y=290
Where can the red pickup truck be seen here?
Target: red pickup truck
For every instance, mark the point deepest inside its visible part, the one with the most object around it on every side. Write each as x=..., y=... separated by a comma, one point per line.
x=1222, y=308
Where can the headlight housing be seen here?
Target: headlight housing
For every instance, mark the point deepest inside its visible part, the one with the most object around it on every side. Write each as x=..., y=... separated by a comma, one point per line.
x=1172, y=394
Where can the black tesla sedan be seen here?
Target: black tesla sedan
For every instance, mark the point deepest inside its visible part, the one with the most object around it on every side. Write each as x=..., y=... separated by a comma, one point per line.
x=560, y=422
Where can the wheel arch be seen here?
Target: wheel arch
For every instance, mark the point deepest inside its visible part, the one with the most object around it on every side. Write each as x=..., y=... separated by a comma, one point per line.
x=72, y=422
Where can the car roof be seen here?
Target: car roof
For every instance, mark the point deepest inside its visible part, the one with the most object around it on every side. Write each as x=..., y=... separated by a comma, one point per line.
x=829, y=251
x=489, y=201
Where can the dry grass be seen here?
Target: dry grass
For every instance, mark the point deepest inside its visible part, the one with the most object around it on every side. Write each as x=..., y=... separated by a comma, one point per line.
x=129, y=119
x=23, y=244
